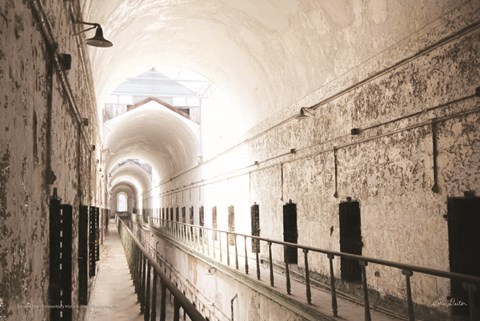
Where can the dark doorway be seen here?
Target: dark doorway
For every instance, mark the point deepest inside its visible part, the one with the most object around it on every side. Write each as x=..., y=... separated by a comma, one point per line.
x=255, y=218
x=464, y=247
x=350, y=240
x=290, y=233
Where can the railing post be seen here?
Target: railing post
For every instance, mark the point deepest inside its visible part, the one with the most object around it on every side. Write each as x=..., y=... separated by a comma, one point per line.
x=287, y=273
x=220, y=245
x=147, y=294
x=332, y=286
x=246, y=254
x=153, y=313
x=236, y=251
x=408, y=274
x=257, y=259
x=307, y=278
x=176, y=309
x=272, y=283
x=142, y=287
x=163, y=301
x=368, y=317
x=228, y=252
x=214, y=245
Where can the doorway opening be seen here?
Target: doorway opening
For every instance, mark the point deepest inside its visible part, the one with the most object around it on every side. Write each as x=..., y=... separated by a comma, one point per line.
x=290, y=233
x=464, y=246
x=350, y=240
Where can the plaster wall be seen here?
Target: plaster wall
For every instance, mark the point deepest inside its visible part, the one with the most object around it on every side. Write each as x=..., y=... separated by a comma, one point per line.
x=41, y=149
x=393, y=98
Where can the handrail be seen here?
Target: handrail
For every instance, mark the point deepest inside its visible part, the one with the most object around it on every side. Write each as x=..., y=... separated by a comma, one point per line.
x=180, y=300
x=367, y=259
x=200, y=236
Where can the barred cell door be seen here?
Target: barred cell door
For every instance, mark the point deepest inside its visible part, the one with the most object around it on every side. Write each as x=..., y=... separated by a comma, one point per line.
x=60, y=281
x=350, y=240
x=290, y=233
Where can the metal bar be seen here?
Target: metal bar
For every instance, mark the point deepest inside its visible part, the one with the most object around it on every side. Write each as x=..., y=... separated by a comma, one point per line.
x=176, y=309
x=220, y=245
x=332, y=286
x=142, y=286
x=257, y=259
x=246, y=254
x=147, y=294
x=153, y=313
x=228, y=252
x=408, y=274
x=272, y=283
x=307, y=278
x=287, y=273
x=366, y=304
x=163, y=301
x=236, y=251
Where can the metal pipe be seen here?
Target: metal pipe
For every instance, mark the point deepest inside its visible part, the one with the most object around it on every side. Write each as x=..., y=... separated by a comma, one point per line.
x=270, y=261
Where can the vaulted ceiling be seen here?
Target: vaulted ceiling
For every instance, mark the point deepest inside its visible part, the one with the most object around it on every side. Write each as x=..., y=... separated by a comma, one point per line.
x=264, y=54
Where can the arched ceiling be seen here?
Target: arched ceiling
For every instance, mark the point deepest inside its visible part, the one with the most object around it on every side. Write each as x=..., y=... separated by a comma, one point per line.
x=265, y=55
x=134, y=171
x=166, y=140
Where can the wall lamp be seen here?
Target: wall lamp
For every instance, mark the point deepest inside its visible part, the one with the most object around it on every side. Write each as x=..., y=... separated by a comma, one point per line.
x=98, y=40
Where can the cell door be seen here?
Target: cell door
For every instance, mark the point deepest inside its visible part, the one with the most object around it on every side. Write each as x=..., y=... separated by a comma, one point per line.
x=290, y=233
x=350, y=240
x=255, y=220
x=464, y=247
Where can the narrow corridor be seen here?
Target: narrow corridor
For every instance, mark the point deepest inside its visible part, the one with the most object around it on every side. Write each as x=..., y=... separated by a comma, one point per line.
x=113, y=297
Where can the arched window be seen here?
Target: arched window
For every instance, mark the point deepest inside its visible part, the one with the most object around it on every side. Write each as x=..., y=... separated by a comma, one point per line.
x=122, y=202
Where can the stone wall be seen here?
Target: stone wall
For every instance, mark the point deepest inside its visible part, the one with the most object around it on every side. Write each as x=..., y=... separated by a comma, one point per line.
x=43, y=147
x=416, y=93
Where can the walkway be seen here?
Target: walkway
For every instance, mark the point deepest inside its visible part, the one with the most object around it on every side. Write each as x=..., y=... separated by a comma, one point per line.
x=113, y=296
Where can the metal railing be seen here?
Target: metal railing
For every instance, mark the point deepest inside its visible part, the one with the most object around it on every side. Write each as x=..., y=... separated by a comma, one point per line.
x=147, y=275
x=215, y=244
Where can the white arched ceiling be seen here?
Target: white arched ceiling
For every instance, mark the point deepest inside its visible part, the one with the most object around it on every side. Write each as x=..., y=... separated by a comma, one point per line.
x=130, y=169
x=265, y=55
x=166, y=140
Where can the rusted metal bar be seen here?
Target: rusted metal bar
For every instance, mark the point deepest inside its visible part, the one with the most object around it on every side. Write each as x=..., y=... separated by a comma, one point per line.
x=332, y=286
x=366, y=304
x=307, y=278
x=142, y=287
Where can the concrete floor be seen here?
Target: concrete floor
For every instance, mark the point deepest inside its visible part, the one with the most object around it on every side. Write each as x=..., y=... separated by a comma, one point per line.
x=113, y=296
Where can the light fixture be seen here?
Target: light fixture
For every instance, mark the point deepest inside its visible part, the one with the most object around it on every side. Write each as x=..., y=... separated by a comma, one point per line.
x=98, y=40
x=304, y=113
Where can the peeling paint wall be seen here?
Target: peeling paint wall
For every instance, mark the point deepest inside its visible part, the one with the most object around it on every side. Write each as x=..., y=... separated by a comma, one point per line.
x=31, y=95
x=388, y=167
